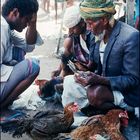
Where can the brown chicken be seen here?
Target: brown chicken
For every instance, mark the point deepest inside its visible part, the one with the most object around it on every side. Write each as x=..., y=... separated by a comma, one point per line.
x=40, y=83
x=48, y=123
x=47, y=88
x=105, y=125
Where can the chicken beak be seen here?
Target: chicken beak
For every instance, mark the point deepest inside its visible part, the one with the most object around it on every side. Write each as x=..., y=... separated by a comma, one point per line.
x=76, y=107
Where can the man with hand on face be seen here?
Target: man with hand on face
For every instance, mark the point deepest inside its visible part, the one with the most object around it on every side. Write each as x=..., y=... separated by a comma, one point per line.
x=17, y=73
x=116, y=82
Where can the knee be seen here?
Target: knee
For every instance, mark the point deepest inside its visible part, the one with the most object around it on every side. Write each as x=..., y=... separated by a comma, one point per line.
x=94, y=95
x=34, y=67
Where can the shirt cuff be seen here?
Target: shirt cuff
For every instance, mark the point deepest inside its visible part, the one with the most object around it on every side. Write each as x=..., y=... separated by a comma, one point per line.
x=39, y=40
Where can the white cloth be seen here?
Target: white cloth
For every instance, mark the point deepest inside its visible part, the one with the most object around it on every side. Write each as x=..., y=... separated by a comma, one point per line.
x=84, y=45
x=79, y=117
x=101, y=50
x=73, y=92
x=72, y=16
x=119, y=101
x=29, y=99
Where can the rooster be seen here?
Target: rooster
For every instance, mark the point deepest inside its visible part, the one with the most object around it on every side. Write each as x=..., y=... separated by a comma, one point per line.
x=99, y=127
x=104, y=125
x=47, y=87
x=48, y=123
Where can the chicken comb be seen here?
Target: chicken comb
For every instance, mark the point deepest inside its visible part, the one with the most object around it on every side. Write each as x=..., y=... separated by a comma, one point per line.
x=123, y=114
x=75, y=104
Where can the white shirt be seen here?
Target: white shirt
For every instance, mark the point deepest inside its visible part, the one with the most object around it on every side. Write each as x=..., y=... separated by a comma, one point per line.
x=9, y=39
x=101, y=50
x=6, y=50
x=84, y=45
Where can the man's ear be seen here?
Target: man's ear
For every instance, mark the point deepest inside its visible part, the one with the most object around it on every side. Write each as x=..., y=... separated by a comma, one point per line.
x=14, y=14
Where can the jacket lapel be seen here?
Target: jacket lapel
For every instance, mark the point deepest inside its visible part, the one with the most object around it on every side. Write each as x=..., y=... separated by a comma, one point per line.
x=97, y=58
x=110, y=43
x=96, y=52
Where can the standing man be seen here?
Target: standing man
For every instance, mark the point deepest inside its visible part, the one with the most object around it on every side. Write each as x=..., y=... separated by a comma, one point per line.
x=116, y=82
x=17, y=73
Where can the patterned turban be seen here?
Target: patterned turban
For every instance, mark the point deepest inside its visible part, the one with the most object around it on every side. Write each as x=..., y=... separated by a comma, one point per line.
x=96, y=8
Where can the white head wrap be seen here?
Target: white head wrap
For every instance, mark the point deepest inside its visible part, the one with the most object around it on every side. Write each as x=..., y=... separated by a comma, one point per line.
x=72, y=16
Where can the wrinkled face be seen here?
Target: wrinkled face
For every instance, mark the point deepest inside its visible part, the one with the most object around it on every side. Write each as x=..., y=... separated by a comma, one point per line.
x=17, y=22
x=96, y=26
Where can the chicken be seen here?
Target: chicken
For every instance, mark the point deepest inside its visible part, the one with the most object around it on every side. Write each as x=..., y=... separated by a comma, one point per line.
x=48, y=123
x=40, y=83
x=108, y=125
x=47, y=88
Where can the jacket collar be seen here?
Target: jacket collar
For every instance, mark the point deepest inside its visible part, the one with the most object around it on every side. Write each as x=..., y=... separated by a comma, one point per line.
x=112, y=39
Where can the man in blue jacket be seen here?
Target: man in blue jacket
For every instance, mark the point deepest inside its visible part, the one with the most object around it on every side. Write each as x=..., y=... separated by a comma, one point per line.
x=116, y=82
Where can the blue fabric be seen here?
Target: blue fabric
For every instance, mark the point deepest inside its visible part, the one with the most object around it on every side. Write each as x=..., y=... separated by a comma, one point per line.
x=10, y=119
x=34, y=65
x=18, y=54
x=137, y=9
x=10, y=115
x=21, y=71
x=121, y=62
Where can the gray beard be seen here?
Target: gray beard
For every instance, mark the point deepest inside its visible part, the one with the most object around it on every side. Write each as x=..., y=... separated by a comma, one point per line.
x=100, y=37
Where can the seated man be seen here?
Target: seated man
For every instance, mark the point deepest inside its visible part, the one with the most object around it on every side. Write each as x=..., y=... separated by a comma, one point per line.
x=78, y=45
x=117, y=56
x=17, y=73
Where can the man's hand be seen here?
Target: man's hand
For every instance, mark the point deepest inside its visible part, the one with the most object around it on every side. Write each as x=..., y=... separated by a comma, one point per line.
x=33, y=20
x=83, y=77
x=90, y=78
x=31, y=33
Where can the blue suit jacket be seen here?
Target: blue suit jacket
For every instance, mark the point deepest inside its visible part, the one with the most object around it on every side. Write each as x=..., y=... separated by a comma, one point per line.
x=121, y=62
